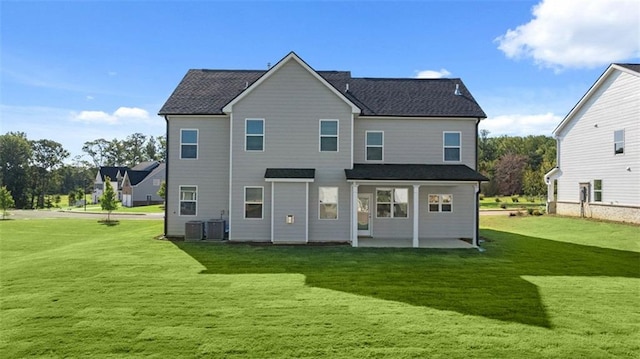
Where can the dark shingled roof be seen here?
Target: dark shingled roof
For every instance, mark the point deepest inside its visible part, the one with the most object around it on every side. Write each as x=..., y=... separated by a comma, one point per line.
x=206, y=92
x=111, y=172
x=413, y=172
x=303, y=173
x=632, y=67
x=136, y=177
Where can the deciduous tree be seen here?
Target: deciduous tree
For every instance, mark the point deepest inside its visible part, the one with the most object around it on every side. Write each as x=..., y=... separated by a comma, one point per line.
x=6, y=201
x=108, y=200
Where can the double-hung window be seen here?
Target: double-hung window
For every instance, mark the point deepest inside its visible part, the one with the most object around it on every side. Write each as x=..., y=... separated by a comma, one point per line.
x=188, y=144
x=188, y=200
x=254, y=134
x=618, y=142
x=374, y=145
x=328, y=135
x=253, y=202
x=597, y=190
x=328, y=201
x=451, y=148
x=440, y=203
x=392, y=202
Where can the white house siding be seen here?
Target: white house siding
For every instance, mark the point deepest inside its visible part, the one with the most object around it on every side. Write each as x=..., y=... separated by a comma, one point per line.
x=586, y=148
x=415, y=140
x=291, y=101
x=209, y=172
x=290, y=199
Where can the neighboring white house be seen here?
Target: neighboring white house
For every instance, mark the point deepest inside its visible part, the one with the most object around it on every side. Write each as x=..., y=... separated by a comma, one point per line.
x=115, y=174
x=598, y=173
x=295, y=155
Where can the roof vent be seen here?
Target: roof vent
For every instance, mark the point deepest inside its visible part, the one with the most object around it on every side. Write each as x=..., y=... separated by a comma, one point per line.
x=347, y=88
x=457, y=91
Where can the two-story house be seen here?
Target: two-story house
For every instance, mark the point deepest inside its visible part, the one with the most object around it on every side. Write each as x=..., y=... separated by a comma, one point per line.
x=294, y=155
x=598, y=149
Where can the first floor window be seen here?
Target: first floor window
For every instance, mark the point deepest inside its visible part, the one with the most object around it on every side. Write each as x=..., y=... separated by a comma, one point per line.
x=254, y=131
x=253, y=201
x=374, y=145
x=328, y=199
x=452, y=146
x=328, y=135
x=188, y=200
x=618, y=142
x=440, y=203
x=188, y=144
x=392, y=202
x=597, y=190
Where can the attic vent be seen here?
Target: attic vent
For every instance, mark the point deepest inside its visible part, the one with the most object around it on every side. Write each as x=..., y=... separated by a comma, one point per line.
x=246, y=84
x=457, y=91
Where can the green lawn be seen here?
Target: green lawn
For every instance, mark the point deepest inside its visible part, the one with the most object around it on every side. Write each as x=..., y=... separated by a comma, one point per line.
x=76, y=288
x=95, y=208
x=508, y=202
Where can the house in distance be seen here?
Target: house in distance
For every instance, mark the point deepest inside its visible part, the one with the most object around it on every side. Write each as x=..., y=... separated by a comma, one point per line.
x=295, y=155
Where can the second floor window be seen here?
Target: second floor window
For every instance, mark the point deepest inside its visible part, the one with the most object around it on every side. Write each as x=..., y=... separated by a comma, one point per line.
x=254, y=133
x=328, y=135
x=618, y=142
x=374, y=145
x=188, y=144
x=451, y=146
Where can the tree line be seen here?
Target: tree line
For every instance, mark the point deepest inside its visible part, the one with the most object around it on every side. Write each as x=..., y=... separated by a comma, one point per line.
x=515, y=165
x=34, y=171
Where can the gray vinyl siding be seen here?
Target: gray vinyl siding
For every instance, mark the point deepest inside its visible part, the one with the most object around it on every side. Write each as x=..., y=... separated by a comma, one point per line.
x=290, y=199
x=415, y=140
x=292, y=102
x=455, y=224
x=209, y=172
x=330, y=230
x=586, y=144
x=146, y=188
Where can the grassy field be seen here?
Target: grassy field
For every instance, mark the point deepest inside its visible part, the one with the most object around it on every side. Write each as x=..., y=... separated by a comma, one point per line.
x=509, y=203
x=154, y=208
x=76, y=288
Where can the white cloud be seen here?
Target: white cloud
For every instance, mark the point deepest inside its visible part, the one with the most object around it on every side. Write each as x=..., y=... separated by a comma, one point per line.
x=432, y=74
x=129, y=113
x=521, y=125
x=89, y=98
x=576, y=34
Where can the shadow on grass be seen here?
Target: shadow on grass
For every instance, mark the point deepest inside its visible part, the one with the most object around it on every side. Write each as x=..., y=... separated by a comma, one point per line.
x=485, y=284
x=109, y=223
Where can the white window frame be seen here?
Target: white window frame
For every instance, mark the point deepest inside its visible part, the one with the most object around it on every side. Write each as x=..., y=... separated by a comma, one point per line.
x=367, y=145
x=440, y=202
x=597, y=191
x=445, y=147
x=392, y=203
x=246, y=134
x=616, y=143
x=189, y=143
x=261, y=203
x=337, y=135
x=321, y=203
x=180, y=200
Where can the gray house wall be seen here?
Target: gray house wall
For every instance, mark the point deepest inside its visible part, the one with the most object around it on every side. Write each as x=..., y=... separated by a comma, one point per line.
x=146, y=188
x=415, y=140
x=292, y=102
x=209, y=172
x=290, y=199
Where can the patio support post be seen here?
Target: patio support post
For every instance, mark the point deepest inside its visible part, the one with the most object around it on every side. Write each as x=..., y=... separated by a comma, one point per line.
x=354, y=215
x=416, y=215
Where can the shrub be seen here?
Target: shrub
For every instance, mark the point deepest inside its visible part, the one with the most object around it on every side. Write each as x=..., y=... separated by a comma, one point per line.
x=514, y=199
x=481, y=196
x=537, y=212
x=531, y=199
x=498, y=200
x=530, y=211
x=503, y=205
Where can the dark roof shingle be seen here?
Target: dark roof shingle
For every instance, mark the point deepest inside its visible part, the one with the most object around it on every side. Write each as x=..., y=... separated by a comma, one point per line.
x=413, y=172
x=206, y=92
x=632, y=67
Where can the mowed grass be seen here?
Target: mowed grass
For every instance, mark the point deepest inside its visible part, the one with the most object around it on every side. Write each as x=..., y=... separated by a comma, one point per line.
x=76, y=288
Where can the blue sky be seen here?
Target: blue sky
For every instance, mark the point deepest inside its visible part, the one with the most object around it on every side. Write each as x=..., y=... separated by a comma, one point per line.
x=78, y=71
